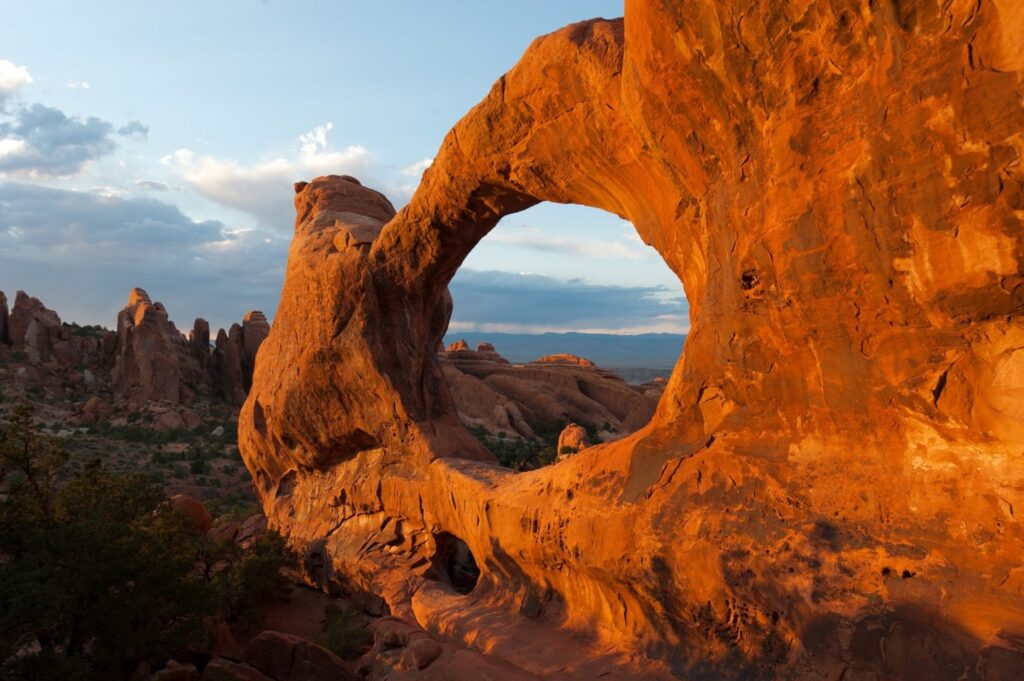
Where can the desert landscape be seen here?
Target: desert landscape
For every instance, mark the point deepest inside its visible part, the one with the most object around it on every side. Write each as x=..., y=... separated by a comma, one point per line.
x=825, y=486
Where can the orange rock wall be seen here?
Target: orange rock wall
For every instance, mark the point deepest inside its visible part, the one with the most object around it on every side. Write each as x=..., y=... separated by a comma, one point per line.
x=829, y=487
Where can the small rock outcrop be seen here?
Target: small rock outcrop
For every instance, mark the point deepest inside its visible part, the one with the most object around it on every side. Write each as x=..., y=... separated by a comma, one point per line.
x=35, y=329
x=572, y=439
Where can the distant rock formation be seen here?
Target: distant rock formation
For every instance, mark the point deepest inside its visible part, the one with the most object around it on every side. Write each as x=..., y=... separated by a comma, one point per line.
x=564, y=358
x=5, y=332
x=520, y=400
x=255, y=329
x=226, y=366
x=35, y=329
x=145, y=360
x=150, y=354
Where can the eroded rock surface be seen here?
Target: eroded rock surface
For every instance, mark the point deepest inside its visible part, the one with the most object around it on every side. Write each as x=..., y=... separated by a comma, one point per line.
x=830, y=485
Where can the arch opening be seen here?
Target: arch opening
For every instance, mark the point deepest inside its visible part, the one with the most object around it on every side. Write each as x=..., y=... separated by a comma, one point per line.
x=454, y=563
x=565, y=329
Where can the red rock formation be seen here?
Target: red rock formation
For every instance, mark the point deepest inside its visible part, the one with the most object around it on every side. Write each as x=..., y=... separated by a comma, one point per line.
x=255, y=329
x=564, y=358
x=519, y=400
x=827, y=489
x=226, y=366
x=199, y=342
x=34, y=329
x=5, y=334
x=151, y=361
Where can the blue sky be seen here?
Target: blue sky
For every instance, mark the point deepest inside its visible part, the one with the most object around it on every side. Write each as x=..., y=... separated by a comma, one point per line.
x=154, y=144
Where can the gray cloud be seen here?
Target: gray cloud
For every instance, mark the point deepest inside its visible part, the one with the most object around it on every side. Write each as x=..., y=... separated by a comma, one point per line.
x=504, y=301
x=81, y=252
x=135, y=130
x=42, y=140
x=152, y=185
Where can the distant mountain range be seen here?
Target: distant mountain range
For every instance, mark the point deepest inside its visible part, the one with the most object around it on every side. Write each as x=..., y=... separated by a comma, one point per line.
x=636, y=358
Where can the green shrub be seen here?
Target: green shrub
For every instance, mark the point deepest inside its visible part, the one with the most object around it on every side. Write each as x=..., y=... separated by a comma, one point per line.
x=256, y=578
x=98, y=571
x=345, y=632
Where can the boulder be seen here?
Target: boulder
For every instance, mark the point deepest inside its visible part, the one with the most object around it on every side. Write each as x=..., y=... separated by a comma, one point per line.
x=289, y=658
x=168, y=421
x=98, y=408
x=572, y=439
x=192, y=508
x=190, y=419
x=176, y=671
x=220, y=669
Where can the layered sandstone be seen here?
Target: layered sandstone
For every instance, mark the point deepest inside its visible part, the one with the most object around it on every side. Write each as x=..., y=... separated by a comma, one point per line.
x=828, y=487
x=522, y=400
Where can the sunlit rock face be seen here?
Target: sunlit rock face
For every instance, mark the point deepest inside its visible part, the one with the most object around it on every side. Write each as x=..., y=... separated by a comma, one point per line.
x=832, y=482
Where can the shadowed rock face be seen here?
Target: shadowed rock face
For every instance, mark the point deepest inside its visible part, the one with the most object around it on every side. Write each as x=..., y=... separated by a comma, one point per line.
x=831, y=484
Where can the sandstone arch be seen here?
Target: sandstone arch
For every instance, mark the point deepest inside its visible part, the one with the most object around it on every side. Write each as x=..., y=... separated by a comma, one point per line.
x=835, y=468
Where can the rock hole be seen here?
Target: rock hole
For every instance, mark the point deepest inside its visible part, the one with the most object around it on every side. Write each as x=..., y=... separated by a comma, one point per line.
x=259, y=419
x=287, y=485
x=454, y=564
x=886, y=571
x=749, y=280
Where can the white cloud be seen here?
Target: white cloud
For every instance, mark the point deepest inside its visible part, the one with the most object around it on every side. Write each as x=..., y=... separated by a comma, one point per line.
x=534, y=238
x=416, y=169
x=11, y=148
x=78, y=85
x=315, y=140
x=264, y=189
x=12, y=78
